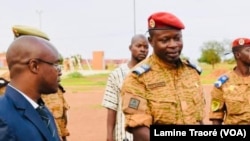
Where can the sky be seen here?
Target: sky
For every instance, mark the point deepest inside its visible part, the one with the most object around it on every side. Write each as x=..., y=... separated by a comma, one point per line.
x=84, y=26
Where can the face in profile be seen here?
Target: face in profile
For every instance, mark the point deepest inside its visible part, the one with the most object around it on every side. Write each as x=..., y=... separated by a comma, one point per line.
x=51, y=72
x=167, y=44
x=244, y=55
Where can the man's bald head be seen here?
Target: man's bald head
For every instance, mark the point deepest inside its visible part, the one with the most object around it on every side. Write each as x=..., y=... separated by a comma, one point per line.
x=137, y=37
x=26, y=47
x=138, y=48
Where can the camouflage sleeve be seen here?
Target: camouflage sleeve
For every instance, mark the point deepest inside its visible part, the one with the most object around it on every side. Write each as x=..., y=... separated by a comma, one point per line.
x=134, y=103
x=201, y=103
x=217, y=104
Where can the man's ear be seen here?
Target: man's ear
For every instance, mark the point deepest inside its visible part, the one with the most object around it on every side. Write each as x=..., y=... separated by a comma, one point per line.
x=33, y=66
x=237, y=54
x=130, y=46
x=149, y=39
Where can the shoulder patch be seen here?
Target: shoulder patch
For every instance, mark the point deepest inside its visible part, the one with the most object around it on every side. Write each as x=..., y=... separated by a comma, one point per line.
x=221, y=81
x=215, y=105
x=193, y=65
x=141, y=69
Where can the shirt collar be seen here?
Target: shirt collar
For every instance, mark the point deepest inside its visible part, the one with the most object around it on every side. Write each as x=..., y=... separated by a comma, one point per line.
x=32, y=102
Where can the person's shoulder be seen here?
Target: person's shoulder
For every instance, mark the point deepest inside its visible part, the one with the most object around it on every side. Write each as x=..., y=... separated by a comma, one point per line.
x=141, y=68
x=119, y=68
x=192, y=65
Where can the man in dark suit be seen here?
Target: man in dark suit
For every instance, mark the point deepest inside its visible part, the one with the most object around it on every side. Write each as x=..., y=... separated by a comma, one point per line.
x=34, y=68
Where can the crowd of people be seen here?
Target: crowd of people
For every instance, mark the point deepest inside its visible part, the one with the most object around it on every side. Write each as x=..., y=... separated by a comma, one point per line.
x=159, y=89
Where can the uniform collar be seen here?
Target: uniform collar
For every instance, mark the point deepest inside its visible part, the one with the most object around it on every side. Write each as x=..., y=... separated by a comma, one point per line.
x=167, y=65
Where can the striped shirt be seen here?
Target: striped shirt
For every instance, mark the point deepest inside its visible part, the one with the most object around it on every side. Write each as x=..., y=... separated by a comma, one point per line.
x=112, y=100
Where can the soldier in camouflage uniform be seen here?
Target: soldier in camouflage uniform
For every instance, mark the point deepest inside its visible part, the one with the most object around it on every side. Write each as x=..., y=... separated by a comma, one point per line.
x=4, y=80
x=162, y=89
x=59, y=107
x=55, y=102
x=230, y=99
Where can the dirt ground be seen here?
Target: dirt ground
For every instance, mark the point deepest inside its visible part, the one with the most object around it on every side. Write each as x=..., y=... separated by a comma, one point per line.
x=87, y=119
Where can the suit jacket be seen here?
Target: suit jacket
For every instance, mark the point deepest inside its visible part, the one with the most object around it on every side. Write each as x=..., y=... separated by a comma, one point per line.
x=19, y=121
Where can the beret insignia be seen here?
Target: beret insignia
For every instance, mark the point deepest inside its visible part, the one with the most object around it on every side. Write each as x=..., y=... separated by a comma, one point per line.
x=151, y=23
x=241, y=41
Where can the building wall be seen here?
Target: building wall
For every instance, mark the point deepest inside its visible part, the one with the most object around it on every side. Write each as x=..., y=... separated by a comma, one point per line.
x=98, y=60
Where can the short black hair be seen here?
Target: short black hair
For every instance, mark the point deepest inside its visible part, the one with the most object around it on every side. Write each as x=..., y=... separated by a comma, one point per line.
x=237, y=49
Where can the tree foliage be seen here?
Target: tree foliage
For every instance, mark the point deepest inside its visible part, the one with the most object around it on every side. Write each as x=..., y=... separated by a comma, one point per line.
x=211, y=52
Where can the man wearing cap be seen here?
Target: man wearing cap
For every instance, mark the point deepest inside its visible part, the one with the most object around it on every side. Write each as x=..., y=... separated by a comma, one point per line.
x=55, y=102
x=230, y=96
x=162, y=89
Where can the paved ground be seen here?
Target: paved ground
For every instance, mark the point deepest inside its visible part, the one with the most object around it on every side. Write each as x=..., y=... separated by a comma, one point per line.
x=87, y=119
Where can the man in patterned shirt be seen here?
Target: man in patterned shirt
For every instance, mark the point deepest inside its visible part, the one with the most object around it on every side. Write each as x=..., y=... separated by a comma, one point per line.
x=112, y=100
x=162, y=89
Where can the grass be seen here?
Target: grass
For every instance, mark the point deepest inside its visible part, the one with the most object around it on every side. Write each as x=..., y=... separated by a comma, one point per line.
x=85, y=83
x=78, y=83
x=210, y=75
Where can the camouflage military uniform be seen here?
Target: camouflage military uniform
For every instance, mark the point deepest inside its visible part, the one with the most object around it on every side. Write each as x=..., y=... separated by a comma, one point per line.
x=4, y=80
x=230, y=101
x=163, y=94
x=58, y=106
x=2, y=86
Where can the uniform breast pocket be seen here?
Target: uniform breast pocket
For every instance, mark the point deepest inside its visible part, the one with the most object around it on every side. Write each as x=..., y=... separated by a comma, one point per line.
x=164, y=111
x=235, y=105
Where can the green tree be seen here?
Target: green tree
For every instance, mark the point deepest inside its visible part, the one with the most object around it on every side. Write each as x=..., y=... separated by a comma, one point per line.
x=211, y=52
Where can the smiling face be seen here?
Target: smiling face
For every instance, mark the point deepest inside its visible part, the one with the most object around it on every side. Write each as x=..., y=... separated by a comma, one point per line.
x=167, y=44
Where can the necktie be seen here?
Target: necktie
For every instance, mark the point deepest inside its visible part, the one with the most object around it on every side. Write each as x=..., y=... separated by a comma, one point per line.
x=43, y=114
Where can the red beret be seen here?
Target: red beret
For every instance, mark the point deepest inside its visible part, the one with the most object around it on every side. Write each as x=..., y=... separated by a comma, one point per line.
x=164, y=20
x=241, y=42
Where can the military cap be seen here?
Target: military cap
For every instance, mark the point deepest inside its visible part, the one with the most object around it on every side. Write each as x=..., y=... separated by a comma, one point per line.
x=20, y=30
x=164, y=20
x=241, y=42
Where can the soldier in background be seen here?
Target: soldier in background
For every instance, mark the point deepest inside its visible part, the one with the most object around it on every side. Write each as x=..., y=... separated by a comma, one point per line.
x=162, y=89
x=59, y=107
x=4, y=80
x=55, y=102
x=230, y=96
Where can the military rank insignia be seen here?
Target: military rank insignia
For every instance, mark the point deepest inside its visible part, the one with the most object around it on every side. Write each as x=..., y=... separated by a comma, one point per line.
x=134, y=103
x=141, y=69
x=221, y=81
x=193, y=65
